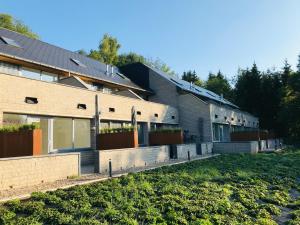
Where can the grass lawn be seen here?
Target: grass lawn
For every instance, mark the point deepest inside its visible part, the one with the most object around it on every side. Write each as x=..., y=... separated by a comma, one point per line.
x=229, y=189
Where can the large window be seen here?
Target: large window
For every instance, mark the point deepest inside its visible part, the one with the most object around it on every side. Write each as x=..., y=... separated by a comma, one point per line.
x=82, y=136
x=49, y=77
x=39, y=75
x=221, y=132
x=62, y=133
x=31, y=73
x=71, y=133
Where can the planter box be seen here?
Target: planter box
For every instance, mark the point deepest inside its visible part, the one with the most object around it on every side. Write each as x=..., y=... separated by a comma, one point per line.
x=164, y=138
x=22, y=143
x=250, y=135
x=117, y=140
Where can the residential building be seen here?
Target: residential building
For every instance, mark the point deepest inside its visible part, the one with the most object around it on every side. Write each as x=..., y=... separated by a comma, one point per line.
x=204, y=115
x=70, y=95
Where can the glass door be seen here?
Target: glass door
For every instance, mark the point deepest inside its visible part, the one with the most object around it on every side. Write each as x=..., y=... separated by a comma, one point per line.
x=141, y=133
x=62, y=133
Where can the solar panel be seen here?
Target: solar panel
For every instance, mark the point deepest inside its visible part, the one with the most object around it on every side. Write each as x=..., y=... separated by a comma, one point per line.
x=77, y=62
x=10, y=42
x=176, y=82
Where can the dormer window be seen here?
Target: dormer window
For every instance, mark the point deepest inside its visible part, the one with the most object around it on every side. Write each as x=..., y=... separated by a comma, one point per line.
x=77, y=62
x=9, y=41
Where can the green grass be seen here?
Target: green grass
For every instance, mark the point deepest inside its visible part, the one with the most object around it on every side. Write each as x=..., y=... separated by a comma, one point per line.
x=229, y=189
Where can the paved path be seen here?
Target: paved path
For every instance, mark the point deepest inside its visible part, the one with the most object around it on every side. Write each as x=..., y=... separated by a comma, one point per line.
x=88, y=178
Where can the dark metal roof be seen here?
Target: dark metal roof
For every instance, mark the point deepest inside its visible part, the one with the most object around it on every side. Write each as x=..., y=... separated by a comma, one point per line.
x=36, y=51
x=186, y=86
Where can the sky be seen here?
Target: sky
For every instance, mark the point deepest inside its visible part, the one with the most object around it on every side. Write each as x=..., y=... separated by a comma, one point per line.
x=201, y=35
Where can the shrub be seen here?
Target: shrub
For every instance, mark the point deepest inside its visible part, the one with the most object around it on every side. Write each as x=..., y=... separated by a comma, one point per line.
x=116, y=130
x=166, y=130
x=17, y=128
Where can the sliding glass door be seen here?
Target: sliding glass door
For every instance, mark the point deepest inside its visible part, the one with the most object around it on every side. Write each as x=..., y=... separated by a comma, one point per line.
x=71, y=133
x=62, y=133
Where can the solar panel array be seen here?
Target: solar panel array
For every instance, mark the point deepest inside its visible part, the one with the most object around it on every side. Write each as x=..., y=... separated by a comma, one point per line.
x=193, y=88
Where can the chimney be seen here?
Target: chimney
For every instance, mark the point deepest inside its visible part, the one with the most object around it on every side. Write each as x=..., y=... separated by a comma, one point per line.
x=107, y=67
x=191, y=85
x=112, y=70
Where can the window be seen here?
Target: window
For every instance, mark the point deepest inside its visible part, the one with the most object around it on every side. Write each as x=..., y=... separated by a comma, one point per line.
x=155, y=115
x=111, y=109
x=31, y=73
x=115, y=124
x=225, y=117
x=8, y=68
x=81, y=106
x=232, y=118
x=11, y=42
x=77, y=62
x=31, y=100
x=82, y=137
x=39, y=75
x=49, y=77
x=104, y=124
x=173, y=117
x=139, y=113
x=216, y=116
x=62, y=133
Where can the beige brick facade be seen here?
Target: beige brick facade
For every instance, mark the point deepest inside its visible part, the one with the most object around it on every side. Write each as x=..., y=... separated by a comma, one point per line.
x=26, y=171
x=195, y=116
x=56, y=99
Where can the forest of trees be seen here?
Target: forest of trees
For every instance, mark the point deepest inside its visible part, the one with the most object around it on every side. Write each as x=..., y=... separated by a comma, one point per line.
x=273, y=95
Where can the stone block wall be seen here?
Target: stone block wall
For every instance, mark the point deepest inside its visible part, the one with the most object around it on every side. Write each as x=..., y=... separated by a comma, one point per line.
x=130, y=158
x=26, y=171
x=235, y=147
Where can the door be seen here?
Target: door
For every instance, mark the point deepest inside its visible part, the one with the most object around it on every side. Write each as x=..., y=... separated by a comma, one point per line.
x=45, y=125
x=221, y=133
x=141, y=133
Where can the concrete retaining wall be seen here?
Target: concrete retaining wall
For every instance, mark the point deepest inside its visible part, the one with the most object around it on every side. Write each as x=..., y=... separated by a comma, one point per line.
x=206, y=148
x=124, y=159
x=236, y=147
x=182, y=151
x=26, y=171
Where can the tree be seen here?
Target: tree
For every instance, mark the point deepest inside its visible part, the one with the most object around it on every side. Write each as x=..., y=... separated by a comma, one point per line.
x=270, y=101
x=10, y=23
x=298, y=64
x=290, y=108
x=160, y=65
x=107, y=51
x=82, y=52
x=286, y=73
x=129, y=58
x=191, y=76
x=247, y=90
x=220, y=85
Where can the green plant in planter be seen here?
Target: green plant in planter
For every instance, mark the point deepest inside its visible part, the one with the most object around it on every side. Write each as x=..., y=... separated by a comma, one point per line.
x=116, y=130
x=167, y=130
x=17, y=128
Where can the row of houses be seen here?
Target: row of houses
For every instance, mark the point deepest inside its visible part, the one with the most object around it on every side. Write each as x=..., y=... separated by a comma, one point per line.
x=73, y=96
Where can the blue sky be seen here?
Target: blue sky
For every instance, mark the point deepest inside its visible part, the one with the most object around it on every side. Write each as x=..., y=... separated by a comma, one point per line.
x=202, y=35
